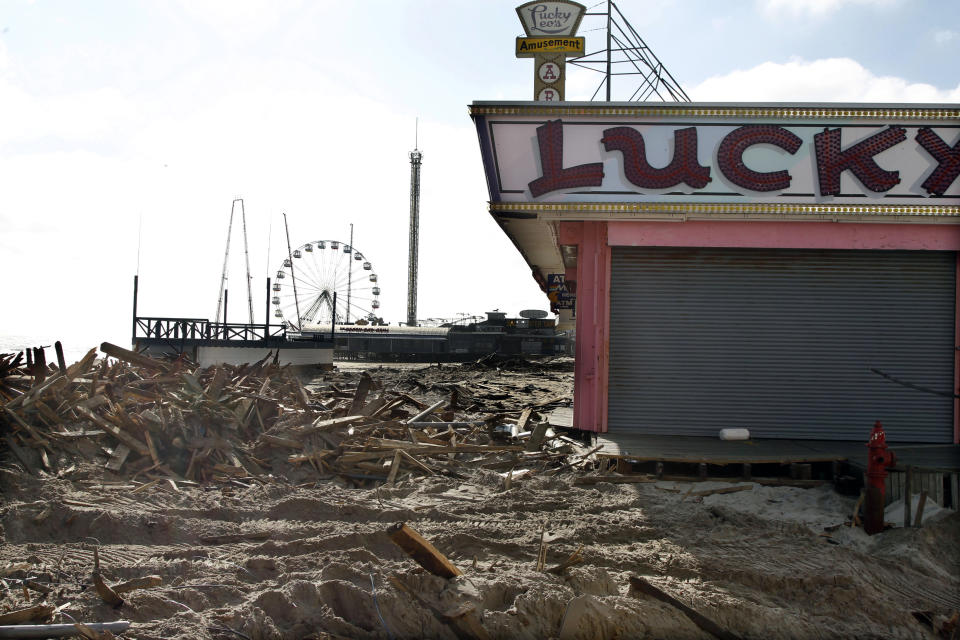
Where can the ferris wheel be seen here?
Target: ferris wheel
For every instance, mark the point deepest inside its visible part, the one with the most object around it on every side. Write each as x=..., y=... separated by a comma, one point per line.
x=317, y=271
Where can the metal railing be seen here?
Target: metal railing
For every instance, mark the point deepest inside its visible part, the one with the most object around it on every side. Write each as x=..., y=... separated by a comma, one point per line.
x=203, y=329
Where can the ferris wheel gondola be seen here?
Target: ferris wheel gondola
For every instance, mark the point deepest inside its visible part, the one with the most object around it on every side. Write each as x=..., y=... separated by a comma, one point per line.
x=317, y=271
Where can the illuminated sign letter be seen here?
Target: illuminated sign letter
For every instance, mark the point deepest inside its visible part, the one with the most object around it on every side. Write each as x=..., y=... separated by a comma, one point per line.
x=682, y=168
x=948, y=161
x=550, y=140
x=730, y=156
x=832, y=161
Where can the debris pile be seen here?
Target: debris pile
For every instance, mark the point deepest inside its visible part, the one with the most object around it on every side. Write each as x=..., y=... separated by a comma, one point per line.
x=407, y=502
x=155, y=421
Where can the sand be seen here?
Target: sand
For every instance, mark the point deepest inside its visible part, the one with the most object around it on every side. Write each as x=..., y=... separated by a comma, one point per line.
x=315, y=561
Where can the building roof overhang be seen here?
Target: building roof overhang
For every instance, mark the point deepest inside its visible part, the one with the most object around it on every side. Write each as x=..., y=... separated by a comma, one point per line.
x=513, y=157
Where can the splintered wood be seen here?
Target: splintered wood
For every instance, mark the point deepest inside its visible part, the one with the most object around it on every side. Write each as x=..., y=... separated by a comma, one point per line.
x=163, y=423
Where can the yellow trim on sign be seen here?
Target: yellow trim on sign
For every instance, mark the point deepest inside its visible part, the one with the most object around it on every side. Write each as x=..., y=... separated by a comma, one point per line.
x=530, y=47
x=719, y=207
x=786, y=112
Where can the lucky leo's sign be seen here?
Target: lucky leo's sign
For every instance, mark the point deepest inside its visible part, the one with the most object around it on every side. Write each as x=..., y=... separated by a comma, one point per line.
x=556, y=18
x=755, y=160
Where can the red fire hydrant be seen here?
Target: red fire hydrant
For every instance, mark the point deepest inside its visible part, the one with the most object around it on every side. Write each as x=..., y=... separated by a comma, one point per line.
x=879, y=457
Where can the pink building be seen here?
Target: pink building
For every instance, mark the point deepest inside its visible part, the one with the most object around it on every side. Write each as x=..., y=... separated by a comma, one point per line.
x=775, y=267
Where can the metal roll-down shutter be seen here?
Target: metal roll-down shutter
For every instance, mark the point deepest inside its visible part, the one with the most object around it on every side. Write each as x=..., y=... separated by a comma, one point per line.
x=781, y=342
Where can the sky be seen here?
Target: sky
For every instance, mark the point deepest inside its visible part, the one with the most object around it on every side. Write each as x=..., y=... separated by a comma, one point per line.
x=128, y=127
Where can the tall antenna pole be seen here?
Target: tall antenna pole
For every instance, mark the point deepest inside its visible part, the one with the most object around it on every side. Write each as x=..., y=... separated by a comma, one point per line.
x=246, y=253
x=350, y=272
x=609, y=21
x=416, y=158
x=223, y=277
x=293, y=276
x=139, y=241
x=269, y=243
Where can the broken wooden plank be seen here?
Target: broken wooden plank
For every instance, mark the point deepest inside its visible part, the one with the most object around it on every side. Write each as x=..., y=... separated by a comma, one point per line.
x=279, y=441
x=138, y=583
x=30, y=396
x=542, y=552
x=39, y=440
x=411, y=400
x=432, y=450
x=424, y=553
x=412, y=460
x=921, y=503
x=106, y=594
x=705, y=623
x=537, y=437
x=575, y=558
x=20, y=454
x=855, y=520
x=394, y=468
x=133, y=357
x=147, y=485
x=115, y=431
x=119, y=456
x=320, y=424
x=360, y=395
x=710, y=492
x=19, y=616
x=524, y=418
x=374, y=408
x=440, y=425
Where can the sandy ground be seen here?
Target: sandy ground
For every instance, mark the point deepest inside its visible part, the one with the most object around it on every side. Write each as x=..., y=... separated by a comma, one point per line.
x=315, y=561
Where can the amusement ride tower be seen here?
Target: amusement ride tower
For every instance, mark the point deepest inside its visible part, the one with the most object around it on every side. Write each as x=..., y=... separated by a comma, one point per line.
x=416, y=158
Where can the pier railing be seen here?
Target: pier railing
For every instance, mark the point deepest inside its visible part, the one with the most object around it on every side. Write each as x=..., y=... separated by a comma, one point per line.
x=203, y=329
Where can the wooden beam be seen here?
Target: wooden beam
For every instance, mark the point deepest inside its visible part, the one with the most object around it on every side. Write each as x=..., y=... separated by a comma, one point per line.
x=424, y=553
x=360, y=395
x=115, y=431
x=710, y=492
x=19, y=616
x=394, y=468
x=908, y=497
x=536, y=438
x=332, y=423
x=133, y=357
x=920, y=505
x=20, y=454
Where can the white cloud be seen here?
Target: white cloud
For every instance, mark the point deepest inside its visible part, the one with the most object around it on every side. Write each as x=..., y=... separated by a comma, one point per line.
x=814, y=8
x=828, y=80
x=945, y=36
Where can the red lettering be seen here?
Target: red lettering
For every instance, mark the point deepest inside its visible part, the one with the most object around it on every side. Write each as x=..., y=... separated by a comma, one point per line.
x=948, y=161
x=731, y=150
x=550, y=141
x=683, y=168
x=833, y=161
